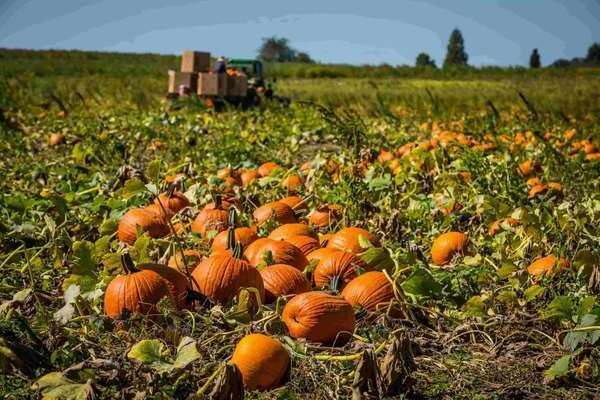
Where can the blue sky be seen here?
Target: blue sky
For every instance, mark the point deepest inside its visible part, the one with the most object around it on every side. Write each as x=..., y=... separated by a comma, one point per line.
x=499, y=32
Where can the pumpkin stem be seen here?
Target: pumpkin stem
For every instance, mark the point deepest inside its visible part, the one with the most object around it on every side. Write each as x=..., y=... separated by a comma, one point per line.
x=231, y=218
x=238, y=250
x=230, y=237
x=217, y=200
x=128, y=264
x=171, y=190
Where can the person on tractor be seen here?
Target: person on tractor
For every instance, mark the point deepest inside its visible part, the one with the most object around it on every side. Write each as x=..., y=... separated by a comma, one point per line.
x=220, y=67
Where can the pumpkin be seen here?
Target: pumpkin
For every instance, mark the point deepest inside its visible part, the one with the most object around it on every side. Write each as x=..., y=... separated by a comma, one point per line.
x=164, y=213
x=292, y=183
x=288, y=230
x=527, y=167
x=177, y=282
x=546, y=265
x=372, y=291
x=336, y=265
x=534, y=181
x=385, y=156
x=271, y=251
x=446, y=245
x=319, y=317
x=221, y=276
x=135, y=292
x=276, y=210
x=497, y=225
x=324, y=216
x=306, y=244
x=213, y=217
x=262, y=361
x=147, y=220
x=192, y=258
x=592, y=156
x=297, y=203
x=267, y=168
x=347, y=239
x=56, y=139
x=282, y=280
x=324, y=238
x=243, y=235
x=175, y=201
x=248, y=177
x=224, y=173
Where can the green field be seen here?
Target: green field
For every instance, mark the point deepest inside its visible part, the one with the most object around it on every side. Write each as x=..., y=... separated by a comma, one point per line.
x=405, y=154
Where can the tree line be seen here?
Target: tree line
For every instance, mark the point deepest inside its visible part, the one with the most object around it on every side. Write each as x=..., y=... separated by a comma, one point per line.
x=275, y=49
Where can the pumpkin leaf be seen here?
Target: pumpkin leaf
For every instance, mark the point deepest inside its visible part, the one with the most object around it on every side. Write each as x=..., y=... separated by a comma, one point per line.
x=132, y=187
x=561, y=308
x=378, y=258
x=83, y=272
x=474, y=307
x=363, y=242
x=558, y=369
x=187, y=353
x=56, y=386
x=18, y=298
x=153, y=169
x=421, y=283
x=532, y=292
x=152, y=352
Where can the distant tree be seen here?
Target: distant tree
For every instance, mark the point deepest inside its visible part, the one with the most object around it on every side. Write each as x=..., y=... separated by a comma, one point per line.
x=274, y=49
x=561, y=63
x=424, y=60
x=303, y=57
x=534, y=59
x=593, y=54
x=456, y=54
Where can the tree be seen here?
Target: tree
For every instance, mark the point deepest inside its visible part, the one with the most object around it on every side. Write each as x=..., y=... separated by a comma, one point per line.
x=593, y=54
x=456, y=55
x=534, y=59
x=561, y=63
x=424, y=60
x=276, y=49
x=303, y=57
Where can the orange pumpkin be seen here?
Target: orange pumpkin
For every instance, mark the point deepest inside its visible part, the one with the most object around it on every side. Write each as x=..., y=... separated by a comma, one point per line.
x=221, y=276
x=175, y=201
x=243, y=235
x=248, y=177
x=56, y=139
x=297, y=203
x=319, y=317
x=276, y=210
x=497, y=225
x=372, y=291
x=283, y=280
x=336, y=265
x=347, y=239
x=324, y=216
x=546, y=265
x=192, y=258
x=306, y=244
x=446, y=246
x=135, y=292
x=279, y=252
x=262, y=361
x=527, y=167
x=213, y=217
x=292, y=183
x=267, y=168
x=286, y=231
x=147, y=220
x=177, y=282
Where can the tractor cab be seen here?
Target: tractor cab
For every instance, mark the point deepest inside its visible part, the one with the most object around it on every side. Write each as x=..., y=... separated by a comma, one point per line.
x=252, y=68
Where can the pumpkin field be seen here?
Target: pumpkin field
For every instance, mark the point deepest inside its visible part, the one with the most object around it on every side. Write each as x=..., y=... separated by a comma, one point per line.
x=428, y=237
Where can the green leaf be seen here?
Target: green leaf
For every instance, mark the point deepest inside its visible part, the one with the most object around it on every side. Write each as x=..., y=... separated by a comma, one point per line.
x=558, y=369
x=108, y=226
x=532, y=292
x=187, y=352
x=132, y=187
x=472, y=261
x=560, y=308
x=474, y=307
x=421, y=283
x=378, y=258
x=151, y=351
x=56, y=386
x=153, y=169
x=363, y=242
x=139, y=251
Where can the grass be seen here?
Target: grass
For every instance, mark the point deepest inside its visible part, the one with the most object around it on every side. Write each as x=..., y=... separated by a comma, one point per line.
x=480, y=328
